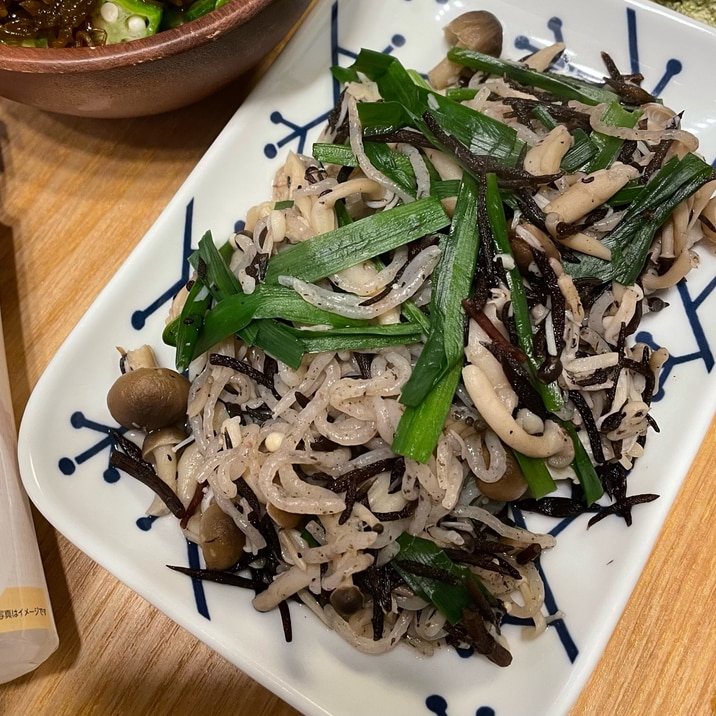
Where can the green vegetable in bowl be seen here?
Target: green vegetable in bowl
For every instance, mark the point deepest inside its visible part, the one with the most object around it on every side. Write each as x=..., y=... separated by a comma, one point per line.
x=89, y=23
x=124, y=20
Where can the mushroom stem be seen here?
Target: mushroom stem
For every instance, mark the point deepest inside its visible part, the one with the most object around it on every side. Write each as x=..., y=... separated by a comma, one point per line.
x=553, y=442
x=589, y=193
x=142, y=357
x=165, y=462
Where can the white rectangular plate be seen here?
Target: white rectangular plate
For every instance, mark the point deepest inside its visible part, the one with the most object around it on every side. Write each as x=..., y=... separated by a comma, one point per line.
x=64, y=447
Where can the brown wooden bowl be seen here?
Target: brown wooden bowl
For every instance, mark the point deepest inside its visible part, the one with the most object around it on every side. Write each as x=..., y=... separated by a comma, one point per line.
x=156, y=74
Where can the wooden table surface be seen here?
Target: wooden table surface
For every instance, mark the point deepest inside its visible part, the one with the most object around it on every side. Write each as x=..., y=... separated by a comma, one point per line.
x=76, y=195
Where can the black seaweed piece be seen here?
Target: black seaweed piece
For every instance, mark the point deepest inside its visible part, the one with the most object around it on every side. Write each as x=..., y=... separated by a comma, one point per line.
x=519, y=379
x=396, y=475
x=564, y=230
x=221, y=577
x=349, y=499
x=598, y=376
x=626, y=85
x=613, y=476
x=563, y=114
x=377, y=582
x=478, y=315
x=314, y=174
x=560, y=507
x=344, y=174
x=529, y=207
x=244, y=490
x=486, y=265
x=616, y=370
x=401, y=136
x=531, y=553
x=664, y=263
x=377, y=620
x=397, y=515
x=241, y=366
x=656, y=303
x=360, y=474
x=635, y=320
x=341, y=131
x=286, y=621
x=127, y=446
x=257, y=267
x=144, y=472
x=521, y=110
x=272, y=552
x=481, y=164
x=589, y=290
x=480, y=545
x=622, y=508
x=626, y=153
x=270, y=367
x=428, y=571
x=535, y=290
x=505, y=316
x=590, y=425
x=193, y=505
x=364, y=361
x=487, y=604
x=654, y=426
x=472, y=631
x=259, y=414
x=708, y=224
x=494, y=563
x=612, y=422
x=324, y=444
x=424, y=242
x=558, y=302
x=642, y=367
x=550, y=369
x=539, y=344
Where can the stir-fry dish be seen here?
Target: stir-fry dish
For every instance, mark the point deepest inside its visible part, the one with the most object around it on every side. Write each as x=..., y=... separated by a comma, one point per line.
x=91, y=23
x=425, y=332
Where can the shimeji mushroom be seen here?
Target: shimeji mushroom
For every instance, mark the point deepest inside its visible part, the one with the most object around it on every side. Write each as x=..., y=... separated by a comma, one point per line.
x=476, y=30
x=147, y=397
x=546, y=156
x=221, y=541
x=347, y=599
x=159, y=449
x=554, y=443
x=589, y=193
x=511, y=486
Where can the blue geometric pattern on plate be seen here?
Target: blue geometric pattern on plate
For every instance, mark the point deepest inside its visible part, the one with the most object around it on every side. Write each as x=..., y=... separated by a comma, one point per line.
x=295, y=134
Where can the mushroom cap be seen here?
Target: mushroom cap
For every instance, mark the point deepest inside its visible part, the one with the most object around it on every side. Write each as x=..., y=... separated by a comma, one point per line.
x=167, y=436
x=347, y=599
x=287, y=520
x=222, y=542
x=477, y=30
x=511, y=486
x=148, y=398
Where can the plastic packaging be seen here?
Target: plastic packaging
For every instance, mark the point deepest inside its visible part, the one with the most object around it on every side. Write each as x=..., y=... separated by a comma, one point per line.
x=27, y=628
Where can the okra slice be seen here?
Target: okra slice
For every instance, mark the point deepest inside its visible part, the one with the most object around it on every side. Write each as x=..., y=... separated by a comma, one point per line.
x=125, y=20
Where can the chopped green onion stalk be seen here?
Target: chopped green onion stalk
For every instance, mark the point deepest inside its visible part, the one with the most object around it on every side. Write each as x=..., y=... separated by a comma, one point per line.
x=452, y=281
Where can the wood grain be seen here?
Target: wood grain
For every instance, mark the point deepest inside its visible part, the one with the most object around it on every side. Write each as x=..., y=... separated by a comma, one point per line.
x=75, y=197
